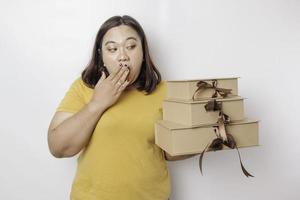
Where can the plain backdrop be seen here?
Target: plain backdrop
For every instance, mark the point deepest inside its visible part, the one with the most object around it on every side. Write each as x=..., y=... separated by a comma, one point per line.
x=44, y=46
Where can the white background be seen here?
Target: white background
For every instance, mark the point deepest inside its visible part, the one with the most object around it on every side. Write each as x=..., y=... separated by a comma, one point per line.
x=44, y=45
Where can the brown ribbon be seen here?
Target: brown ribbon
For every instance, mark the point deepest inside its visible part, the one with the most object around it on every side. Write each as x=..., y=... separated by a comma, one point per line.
x=213, y=105
x=202, y=85
x=223, y=138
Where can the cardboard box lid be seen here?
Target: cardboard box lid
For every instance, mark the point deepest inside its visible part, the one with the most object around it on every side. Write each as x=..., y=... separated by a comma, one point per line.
x=206, y=79
x=175, y=126
x=233, y=98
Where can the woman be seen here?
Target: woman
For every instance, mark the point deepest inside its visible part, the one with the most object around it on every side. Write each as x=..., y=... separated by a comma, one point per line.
x=109, y=114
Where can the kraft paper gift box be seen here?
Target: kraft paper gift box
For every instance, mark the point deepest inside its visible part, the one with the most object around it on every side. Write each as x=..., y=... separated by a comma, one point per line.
x=185, y=89
x=193, y=113
x=177, y=139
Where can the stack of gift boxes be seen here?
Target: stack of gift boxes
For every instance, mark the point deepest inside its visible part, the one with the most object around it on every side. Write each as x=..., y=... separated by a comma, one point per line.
x=188, y=126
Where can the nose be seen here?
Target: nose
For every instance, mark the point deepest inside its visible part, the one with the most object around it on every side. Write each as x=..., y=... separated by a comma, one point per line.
x=123, y=56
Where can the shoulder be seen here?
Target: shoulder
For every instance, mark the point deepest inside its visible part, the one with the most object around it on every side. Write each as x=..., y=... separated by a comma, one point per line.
x=160, y=90
x=79, y=84
x=78, y=81
x=162, y=85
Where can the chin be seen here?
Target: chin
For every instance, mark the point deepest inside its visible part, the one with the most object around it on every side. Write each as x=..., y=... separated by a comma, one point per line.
x=130, y=79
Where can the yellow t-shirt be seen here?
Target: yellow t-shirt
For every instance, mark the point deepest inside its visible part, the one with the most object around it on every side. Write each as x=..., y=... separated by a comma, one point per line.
x=121, y=160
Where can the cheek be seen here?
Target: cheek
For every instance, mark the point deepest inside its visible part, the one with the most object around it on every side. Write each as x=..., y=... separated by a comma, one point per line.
x=108, y=58
x=137, y=58
x=110, y=62
x=136, y=66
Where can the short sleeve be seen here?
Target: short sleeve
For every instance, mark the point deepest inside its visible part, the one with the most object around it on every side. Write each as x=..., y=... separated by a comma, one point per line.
x=73, y=100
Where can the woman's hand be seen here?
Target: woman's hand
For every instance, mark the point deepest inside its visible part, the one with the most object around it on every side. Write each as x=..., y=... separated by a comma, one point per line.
x=108, y=90
x=168, y=157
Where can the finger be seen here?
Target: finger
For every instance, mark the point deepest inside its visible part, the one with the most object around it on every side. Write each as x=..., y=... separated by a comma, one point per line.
x=121, y=80
x=123, y=77
x=123, y=86
x=118, y=76
x=114, y=73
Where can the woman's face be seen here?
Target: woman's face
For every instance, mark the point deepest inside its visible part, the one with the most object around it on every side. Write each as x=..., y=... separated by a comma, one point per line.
x=122, y=46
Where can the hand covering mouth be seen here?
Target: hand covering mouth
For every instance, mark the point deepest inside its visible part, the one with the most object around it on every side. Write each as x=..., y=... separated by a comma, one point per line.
x=128, y=67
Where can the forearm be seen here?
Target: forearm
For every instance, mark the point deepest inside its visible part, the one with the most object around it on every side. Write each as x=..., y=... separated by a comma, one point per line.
x=73, y=134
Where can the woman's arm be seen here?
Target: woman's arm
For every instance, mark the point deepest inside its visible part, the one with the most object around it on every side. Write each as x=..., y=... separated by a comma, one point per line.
x=168, y=157
x=69, y=133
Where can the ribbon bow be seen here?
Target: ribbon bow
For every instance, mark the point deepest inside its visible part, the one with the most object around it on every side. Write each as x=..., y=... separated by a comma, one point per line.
x=217, y=91
x=223, y=138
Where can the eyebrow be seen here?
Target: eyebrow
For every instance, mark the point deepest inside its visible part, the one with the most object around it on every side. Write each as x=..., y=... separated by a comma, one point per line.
x=129, y=38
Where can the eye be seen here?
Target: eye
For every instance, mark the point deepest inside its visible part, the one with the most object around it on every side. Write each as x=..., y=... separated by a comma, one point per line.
x=112, y=50
x=131, y=47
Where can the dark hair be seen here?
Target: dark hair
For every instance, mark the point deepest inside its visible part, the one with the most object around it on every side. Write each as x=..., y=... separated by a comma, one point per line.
x=149, y=76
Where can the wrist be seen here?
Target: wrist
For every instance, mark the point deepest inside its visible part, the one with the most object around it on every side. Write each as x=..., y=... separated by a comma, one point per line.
x=96, y=107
